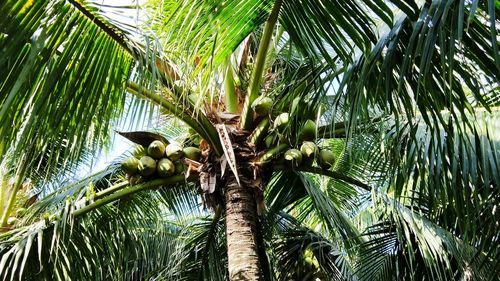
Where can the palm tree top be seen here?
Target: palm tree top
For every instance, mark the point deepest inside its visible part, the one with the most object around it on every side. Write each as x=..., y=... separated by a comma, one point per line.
x=401, y=95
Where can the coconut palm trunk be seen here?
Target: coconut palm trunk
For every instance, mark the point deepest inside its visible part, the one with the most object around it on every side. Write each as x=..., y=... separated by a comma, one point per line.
x=241, y=209
x=241, y=218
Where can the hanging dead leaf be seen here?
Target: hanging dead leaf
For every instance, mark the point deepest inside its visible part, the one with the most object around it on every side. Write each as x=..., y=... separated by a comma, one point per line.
x=223, y=165
x=227, y=146
x=204, y=182
x=212, y=183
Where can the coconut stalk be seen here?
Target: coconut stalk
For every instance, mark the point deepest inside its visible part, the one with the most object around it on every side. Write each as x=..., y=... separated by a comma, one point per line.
x=259, y=132
x=257, y=73
x=110, y=190
x=171, y=181
x=106, y=192
x=268, y=155
x=229, y=92
x=201, y=124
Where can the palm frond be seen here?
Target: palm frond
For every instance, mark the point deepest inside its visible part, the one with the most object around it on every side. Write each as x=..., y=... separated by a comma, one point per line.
x=406, y=242
x=284, y=190
x=310, y=202
x=337, y=222
x=211, y=34
x=333, y=30
x=453, y=172
x=290, y=251
x=98, y=246
x=101, y=244
x=63, y=81
x=427, y=64
x=204, y=250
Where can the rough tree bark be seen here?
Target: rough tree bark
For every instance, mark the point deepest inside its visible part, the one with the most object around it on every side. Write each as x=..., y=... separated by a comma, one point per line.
x=241, y=220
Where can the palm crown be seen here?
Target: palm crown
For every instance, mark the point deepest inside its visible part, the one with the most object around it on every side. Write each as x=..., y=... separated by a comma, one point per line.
x=401, y=95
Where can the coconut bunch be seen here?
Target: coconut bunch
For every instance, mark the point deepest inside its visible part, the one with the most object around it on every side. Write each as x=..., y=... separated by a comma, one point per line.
x=159, y=160
x=307, y=151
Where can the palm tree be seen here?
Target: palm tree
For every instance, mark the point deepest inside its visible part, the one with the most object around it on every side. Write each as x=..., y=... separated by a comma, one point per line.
x=403, y=93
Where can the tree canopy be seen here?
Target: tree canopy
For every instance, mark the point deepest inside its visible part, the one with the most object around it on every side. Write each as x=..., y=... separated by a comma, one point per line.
x=405, y=95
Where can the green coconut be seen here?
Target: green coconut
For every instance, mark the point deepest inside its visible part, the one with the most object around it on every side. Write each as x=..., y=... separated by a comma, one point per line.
x=174, y=151
x=192, y=153
x=262, y=105
x=165, y=168
x=309, y=151
x=293, y=156
x=308, y=131
x=147, y=166
x=156, y=149
x=282, y=120
x=139, y=151
x=131, y=166
x=326, y=158
x=179, y=168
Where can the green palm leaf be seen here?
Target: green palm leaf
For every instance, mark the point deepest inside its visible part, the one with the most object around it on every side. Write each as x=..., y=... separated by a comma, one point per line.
x=63, y=80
